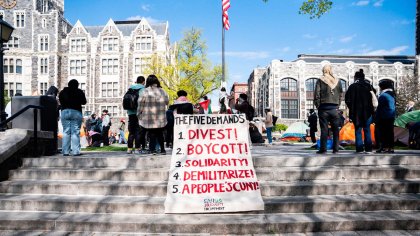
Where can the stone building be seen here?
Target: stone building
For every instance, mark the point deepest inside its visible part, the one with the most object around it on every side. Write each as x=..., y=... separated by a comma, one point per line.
x=47, y=50
x=287, y=87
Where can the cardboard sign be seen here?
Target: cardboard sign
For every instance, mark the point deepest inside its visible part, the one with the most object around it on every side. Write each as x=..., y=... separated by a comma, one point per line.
x=211, y=167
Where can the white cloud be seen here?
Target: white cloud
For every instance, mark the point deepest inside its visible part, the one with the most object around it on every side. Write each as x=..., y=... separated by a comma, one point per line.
x=379, y=3
x=361, y=3
x=403, y=22
x=285, y=49
x=250, y=55
x=145, y=7
x=393, y=51
x=309, y=36
x=326, y=42
x=134, y=18
x=347, y=39
x=343, y=51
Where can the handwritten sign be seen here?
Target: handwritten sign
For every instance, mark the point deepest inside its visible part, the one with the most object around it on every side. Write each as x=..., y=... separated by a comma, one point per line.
x=211, y=167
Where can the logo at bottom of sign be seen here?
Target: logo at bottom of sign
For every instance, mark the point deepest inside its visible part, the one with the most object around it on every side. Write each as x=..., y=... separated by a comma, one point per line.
x=213, y=204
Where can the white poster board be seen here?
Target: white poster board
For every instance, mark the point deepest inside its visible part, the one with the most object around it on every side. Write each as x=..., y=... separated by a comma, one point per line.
x=211, y=167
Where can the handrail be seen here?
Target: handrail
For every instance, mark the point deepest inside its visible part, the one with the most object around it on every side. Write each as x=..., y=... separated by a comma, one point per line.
x=36, y=108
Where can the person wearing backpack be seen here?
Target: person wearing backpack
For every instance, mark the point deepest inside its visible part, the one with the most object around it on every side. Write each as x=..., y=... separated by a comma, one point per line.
x=136, y=134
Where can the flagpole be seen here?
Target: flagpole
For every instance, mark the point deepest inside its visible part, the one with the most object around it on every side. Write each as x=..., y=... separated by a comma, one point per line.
x=223, y=50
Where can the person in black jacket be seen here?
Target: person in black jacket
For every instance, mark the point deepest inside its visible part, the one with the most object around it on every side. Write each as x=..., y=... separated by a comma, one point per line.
x=313, y=120
x=182, y=105
x=71, y=100
x=327, y=98
x=359, y=101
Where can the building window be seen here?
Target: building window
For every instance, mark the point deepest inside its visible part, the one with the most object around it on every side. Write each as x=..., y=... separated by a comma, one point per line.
x=77, y=67
x=110, y=44
x=288, y=88
x=43, y=88
x=20, y=19
x=43, y=43
x=109, y=66
x=44, y=6
x=144, y=43
x=112, y=110
x=13, y=42
x=43, y=68
x=110, y=89
x=44, y=23
x=140, y=64
x=289, y=108
x=10, y=68
x=2, y=14
x=18, y=66
x=343, y=85
x=309, y=105
x=78, y=45
x=11, y=89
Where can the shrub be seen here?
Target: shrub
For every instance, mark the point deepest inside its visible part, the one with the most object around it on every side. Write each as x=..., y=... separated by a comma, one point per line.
x=280, y=127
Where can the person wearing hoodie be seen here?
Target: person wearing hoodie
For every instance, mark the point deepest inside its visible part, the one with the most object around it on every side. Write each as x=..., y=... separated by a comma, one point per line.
x=182, y=105
x=136, y=134
x=359, y=101
x=71, y=100
x=327, y=98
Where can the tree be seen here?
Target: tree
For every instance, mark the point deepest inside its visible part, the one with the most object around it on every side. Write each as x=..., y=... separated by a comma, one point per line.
x=410, y=91
x=191, y=71
x=314, y=8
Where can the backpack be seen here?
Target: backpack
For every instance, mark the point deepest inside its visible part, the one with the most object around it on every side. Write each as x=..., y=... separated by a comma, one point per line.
x=274, y=119
x=130, y=99
x=250, y=113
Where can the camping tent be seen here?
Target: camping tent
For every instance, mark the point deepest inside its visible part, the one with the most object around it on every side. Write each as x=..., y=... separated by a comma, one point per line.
x=295, y=132
x=347, y=133
x=401, y=133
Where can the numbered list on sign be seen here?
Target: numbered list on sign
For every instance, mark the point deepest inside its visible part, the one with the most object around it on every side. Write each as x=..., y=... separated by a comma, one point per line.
x=211, y=167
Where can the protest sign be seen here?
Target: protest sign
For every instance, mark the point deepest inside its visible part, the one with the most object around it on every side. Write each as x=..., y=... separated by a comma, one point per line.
x=211, y=167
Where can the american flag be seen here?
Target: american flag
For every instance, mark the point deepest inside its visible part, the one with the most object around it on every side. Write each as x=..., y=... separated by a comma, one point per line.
x=225, y=7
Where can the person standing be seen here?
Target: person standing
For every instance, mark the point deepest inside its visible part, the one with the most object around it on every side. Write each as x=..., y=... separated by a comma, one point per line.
x=358, y=99
x=136, y=134
x=313, y=125
x=71, y=100
x=327, y=97
x=268, y=121
x=243, y=106
x=121, y=139
x=385, y=117
x=224, y=102
x=106, y=125
x=182, y=105
x=152, y=112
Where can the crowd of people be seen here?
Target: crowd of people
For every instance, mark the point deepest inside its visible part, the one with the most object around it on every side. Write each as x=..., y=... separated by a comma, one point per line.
x=365, y=108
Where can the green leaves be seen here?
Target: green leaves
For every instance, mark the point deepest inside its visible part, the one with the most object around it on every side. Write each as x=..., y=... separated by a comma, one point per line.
x=314, y=8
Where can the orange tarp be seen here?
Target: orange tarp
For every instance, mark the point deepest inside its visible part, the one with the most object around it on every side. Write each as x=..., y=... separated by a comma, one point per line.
x=347, y=133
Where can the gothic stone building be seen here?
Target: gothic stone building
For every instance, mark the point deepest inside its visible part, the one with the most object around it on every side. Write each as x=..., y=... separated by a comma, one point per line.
x=47, y=50
x=287, y=87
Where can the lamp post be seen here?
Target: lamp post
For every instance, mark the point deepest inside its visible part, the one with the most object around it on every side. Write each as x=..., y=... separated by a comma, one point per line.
x=6, y=31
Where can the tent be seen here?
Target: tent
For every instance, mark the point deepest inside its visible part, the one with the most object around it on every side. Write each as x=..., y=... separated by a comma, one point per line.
x=347, y=133
x=295, y=132
x=406, y=118
x=401, y=133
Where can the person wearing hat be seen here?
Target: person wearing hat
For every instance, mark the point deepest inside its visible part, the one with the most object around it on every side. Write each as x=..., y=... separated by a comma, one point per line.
x=122, y=139
x=71, y=99
x=385, y=117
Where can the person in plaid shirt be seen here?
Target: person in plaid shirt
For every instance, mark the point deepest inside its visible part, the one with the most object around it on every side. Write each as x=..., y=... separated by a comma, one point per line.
x=151, y=112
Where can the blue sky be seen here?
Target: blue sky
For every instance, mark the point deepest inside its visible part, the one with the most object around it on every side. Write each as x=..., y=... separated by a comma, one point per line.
x=261, y=32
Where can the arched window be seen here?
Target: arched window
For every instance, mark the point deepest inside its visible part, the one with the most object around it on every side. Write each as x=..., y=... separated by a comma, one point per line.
x=289, y=98
x=310, y=88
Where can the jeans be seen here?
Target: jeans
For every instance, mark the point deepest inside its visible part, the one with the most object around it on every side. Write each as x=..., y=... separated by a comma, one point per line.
x=333, y=118
x=368, y=136
x=122, y=137
x=270, y=138
x=72, y=121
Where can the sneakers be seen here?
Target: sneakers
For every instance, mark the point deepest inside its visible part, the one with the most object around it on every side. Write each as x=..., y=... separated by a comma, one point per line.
x=129, y=151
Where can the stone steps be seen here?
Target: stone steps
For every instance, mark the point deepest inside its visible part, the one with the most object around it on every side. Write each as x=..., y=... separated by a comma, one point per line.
x=211, y=223
x=148, y=162
x=154, y=205
x=158, y=188
x=263, y=174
